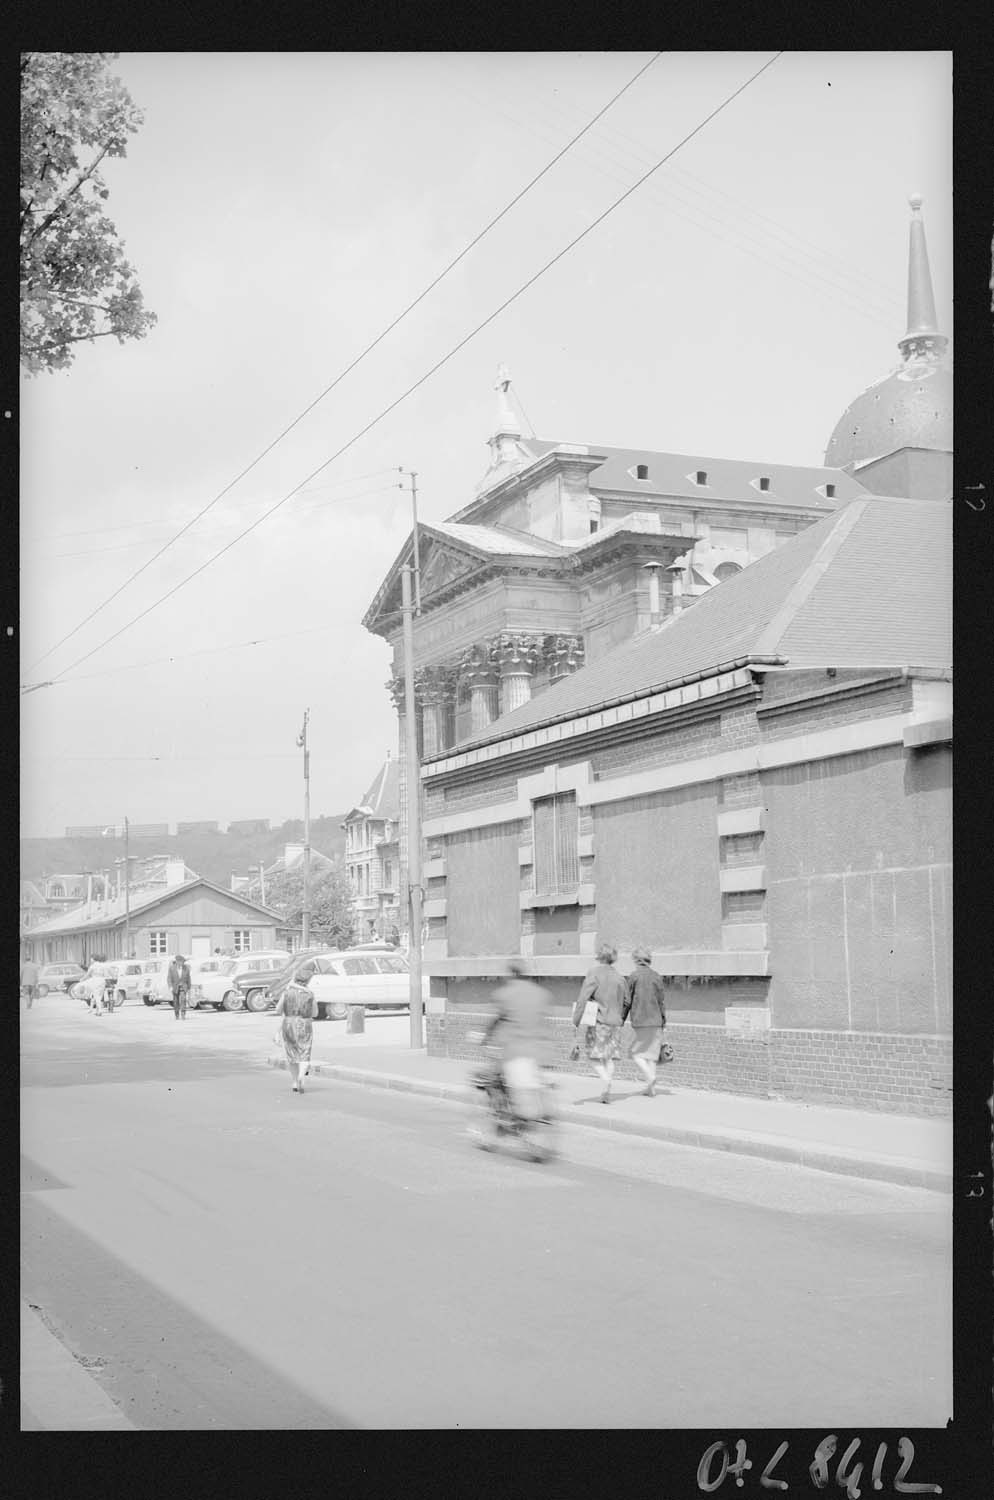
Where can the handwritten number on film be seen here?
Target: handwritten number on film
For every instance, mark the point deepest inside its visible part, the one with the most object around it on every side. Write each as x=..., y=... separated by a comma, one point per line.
x=717, y=1465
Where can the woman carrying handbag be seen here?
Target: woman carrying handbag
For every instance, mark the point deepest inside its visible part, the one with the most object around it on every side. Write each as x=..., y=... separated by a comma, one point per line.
x=599, y=1009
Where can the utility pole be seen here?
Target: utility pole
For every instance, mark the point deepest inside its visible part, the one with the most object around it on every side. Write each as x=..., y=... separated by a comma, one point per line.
x=414, y=892
x=306, y=916
x=127, y=894
x=412, y=476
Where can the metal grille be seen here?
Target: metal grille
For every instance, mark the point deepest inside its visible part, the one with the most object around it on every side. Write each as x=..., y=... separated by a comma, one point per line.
x=557, y=863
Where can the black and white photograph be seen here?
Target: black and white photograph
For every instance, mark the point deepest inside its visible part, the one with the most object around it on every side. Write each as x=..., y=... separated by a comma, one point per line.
x=486, y=641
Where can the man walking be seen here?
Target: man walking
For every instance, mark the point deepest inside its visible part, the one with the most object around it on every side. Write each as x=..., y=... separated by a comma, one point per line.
x=29, y=979
x=178, y=979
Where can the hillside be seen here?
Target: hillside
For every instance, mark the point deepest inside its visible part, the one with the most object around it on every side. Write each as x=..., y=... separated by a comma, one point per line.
x=215, y=856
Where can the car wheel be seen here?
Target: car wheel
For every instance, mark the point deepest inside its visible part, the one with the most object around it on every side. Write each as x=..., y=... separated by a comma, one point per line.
x=233, y=1000
x=256, y=1002
x=338, y=1010
x=42, y=990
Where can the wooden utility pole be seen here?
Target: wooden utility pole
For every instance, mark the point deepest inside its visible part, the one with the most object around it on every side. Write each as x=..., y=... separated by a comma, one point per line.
x=305, y=933
x=127, y=894
x=413, y=776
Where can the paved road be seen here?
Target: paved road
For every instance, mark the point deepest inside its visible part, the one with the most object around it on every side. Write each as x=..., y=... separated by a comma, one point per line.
x=221, y=1253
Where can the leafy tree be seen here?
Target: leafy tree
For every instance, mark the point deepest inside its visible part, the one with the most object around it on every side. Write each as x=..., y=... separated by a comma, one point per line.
x=76, y=285
x=331, y=902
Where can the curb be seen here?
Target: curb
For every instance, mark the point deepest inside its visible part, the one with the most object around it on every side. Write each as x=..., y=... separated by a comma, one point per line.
x=895, y=1170
x=57, y=1393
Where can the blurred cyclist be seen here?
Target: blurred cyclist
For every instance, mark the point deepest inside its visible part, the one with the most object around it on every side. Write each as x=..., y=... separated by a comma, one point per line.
x=520, y=1029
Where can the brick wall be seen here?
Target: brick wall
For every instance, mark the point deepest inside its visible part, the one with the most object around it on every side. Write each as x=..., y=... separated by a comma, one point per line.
x=902, y=1075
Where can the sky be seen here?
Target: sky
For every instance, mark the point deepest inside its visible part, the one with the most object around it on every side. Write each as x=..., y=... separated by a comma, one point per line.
x=280, y=211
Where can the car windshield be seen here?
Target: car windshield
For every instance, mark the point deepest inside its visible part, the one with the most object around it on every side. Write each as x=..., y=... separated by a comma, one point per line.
x=228, y=967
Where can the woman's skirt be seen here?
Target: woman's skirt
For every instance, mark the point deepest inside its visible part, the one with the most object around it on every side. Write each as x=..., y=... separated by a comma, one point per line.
x=297, y=1032
x=603, y=1042
x=648, y=1040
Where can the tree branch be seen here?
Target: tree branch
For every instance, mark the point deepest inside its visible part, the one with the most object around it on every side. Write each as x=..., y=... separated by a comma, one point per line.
x=73, y=338
x=40, y=228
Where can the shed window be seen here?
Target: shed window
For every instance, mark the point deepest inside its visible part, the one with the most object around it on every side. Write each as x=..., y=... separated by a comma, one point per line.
x=157, y=942
x=556, y=831
x=242, y=939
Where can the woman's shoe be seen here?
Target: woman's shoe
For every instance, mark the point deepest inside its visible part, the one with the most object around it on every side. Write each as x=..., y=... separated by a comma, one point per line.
x=650, y=1091
x=606, y=1097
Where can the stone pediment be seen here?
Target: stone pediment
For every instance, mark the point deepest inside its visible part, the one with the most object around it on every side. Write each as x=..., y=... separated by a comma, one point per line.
x=444, y=564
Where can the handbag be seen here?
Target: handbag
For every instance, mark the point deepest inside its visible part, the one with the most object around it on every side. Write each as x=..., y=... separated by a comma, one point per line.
x=574, y=1052
x=589, y=1017
x=666, y=1053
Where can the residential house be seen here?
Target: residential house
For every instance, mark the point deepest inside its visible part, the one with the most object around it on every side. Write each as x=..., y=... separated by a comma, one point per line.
x=372, y=856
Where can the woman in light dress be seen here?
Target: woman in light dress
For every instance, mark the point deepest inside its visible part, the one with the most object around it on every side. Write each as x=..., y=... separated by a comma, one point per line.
x=296, y=1006
x=604, y=985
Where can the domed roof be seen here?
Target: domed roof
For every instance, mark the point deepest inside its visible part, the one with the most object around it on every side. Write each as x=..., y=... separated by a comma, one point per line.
x=912, y=407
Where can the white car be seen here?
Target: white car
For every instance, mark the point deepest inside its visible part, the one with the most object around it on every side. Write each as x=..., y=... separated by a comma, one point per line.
x=123, y=978
x=378, y=980
x=154, y=985
x=239, y=983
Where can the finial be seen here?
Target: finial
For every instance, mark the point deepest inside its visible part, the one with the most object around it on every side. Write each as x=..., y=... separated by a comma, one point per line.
x=916, y=200
x=503, y=378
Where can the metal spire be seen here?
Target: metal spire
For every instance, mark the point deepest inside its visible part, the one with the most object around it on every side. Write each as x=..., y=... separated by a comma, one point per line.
x=923, y=337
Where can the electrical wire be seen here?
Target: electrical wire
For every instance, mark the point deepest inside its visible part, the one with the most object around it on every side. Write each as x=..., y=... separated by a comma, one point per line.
x=359, y=357
x=873, y=305
x=130, y=546
x=428, y=373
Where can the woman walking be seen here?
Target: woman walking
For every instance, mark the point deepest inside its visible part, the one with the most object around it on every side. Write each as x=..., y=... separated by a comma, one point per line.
x=296, y=1006
x=605, y=986
x=645, y=1006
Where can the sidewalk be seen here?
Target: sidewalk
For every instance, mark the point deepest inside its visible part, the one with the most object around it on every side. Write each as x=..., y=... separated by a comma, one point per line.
x=57, y=1393
x=910, y=1150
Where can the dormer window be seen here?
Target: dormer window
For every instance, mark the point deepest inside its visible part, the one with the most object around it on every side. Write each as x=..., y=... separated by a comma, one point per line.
x=764, y=481
x=595, y=516
x=641, y=471
x=830, y=491
x=701, y=477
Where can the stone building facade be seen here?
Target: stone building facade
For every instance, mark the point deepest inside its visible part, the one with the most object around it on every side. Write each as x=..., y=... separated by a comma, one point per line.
x=766, y=806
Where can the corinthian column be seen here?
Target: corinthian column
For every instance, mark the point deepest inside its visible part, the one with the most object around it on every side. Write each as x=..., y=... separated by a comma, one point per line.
x=517, y=654
x=564, y=654
x=435, y=689
x=477, y=668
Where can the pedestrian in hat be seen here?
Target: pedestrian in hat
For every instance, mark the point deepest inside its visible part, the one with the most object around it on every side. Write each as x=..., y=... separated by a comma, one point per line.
x=178, y=979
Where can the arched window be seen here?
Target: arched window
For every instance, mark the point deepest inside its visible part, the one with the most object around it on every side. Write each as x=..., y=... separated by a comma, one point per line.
x=57, y=891
x=726, y=570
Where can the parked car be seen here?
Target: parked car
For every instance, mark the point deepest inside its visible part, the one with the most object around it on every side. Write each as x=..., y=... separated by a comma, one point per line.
x=123, y=978
x=223, y=989
x=59, y=977
x=377, y=977
x=154, y=986
x=298, y=970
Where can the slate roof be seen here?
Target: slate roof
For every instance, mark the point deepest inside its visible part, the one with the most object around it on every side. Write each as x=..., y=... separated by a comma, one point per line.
x=498, y=541
x=728, y=479
x=868, y=586
x=105, y=914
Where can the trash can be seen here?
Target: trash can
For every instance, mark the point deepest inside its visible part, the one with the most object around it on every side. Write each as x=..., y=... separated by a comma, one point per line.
x=356, y=1019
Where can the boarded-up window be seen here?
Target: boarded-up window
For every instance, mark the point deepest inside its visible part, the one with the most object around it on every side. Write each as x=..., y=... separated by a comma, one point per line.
x=484, y=915
x=557, y=862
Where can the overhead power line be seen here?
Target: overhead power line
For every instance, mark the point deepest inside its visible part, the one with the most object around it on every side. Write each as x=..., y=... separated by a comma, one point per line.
x=349, y=368
x=432, y=371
